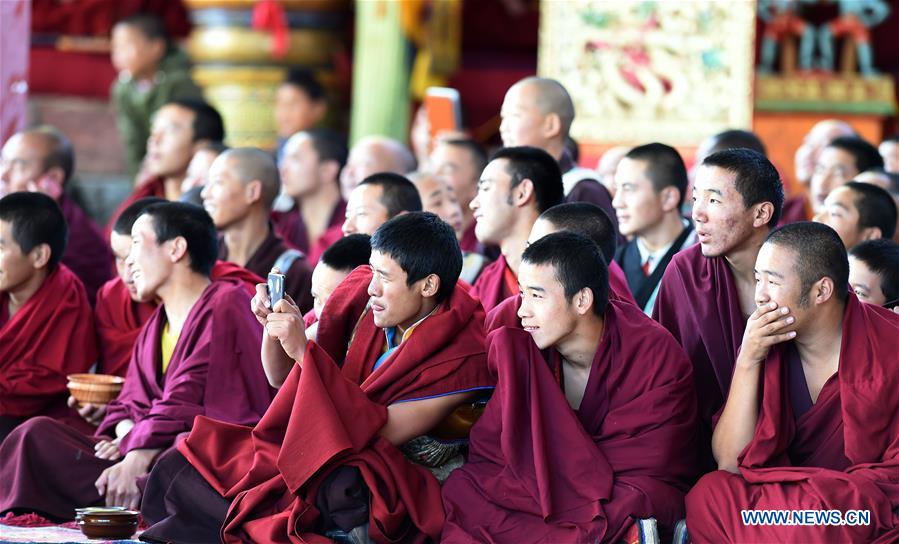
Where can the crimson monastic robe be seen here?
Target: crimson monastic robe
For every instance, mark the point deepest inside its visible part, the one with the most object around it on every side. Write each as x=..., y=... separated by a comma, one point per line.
x=50, y=336
x=328, y=415
x=119, y=319
x=842, y=454
x=87, y=253
x=289, y=225
x=215, y=370
x=495, y=284
x=699, y=304
x=539, y=471
x=795, y=209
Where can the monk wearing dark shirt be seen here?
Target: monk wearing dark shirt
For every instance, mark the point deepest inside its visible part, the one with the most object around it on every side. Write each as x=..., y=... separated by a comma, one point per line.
x=518, y=184
x=575, y=446
x=538, y=111
x=198, y=354
x=180, y=128
x=707, y=290
x=243, y=184
x=42, y=160
x=811, y=421
x=398, y=347
x=310, y=167
x=44, y=312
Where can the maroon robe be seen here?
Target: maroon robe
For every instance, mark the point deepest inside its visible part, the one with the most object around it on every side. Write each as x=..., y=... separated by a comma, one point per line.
x=151, y=186
x=588, y=189
x=297, y=279
x=328, y=415
x=120, y=319
x=795, y=209
x=87, y=253
x=50, y=336
x=698, y=303
x=843, y=453
x=493, y=285
x=469, y=241
x=539, y=471
x=290, y=226
x=215, y=370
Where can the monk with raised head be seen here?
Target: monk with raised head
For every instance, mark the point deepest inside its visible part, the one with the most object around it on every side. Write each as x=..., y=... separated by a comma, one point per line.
x=243, y=184
x=707, y=290
x=42, y=159
x=198, y=354
x=310, y=167
x=518, y=184
x=44, y=311
x=398, y=348
x=810, y=425
x=574, y=446
x=377, y=199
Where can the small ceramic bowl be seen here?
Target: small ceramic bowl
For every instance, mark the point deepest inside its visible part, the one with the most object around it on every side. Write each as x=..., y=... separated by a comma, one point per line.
x=94, y=388
x=107, y=522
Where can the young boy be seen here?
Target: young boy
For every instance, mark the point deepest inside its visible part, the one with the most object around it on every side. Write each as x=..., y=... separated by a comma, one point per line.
x=152, y=71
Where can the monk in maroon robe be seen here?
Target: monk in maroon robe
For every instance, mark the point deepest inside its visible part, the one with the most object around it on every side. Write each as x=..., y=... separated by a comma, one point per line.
x=284, y=480
x=179, y=129
x=44, y=312
x=576, y=446
x=811, y=418
x=43, y=160
x=707, y=290
x=310, y=167
x=518, y=184
x=197, y=355
x=336, y=263
x=243, y=183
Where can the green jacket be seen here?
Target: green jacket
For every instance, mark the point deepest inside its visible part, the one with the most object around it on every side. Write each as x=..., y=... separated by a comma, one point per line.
x=134, y=106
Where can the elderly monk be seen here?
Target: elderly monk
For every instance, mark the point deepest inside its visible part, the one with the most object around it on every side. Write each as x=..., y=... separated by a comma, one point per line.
x=197, y=355
x=371, y=155
x=651, y=185
x=44, y=312
x=811, y=422
x=460, y=161
x=707, y=290
x=121, y=311
x=538, y=111
x=328, y=457
x=179, y=129
x=376, y=199
x=439, y=198
x=582, y=218
x=859, y=212
x=344, y=256
x=42, y=159
x=243, y=184
x=874, y=273
x=574, y=446
x=518, y=184
x=310, y=167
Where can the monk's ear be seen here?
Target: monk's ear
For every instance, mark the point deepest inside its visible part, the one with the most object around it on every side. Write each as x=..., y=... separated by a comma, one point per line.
x=583, y=301
x=523, y=193
x=253, y=191
x=177, y=248
x=670, y=198
x=823, y=290
x=552, y=125
x=762, y=214
x=430, y=286
x=40, y=256
x=871, y=233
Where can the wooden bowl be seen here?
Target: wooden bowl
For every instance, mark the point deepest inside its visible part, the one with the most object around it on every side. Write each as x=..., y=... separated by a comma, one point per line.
x=108, y=523
x=94, y=388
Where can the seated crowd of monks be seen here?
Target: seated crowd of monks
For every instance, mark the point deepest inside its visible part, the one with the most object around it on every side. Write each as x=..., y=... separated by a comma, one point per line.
x=480, y=349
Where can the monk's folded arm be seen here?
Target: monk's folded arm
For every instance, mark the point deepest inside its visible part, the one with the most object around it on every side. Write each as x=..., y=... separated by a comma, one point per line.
x=408, y=420
x=738, y=420
x=275, y=362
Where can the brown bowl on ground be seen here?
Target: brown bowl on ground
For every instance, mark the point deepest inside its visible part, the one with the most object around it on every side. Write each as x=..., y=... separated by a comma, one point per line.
x=94, y=388
x=107, y=522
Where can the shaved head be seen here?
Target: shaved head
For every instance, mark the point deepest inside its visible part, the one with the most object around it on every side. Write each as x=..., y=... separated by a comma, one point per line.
x=552, y=97
x=372, y=155
x=251, y=164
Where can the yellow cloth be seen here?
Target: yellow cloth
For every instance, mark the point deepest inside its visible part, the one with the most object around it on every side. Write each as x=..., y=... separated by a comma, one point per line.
x=167, y=346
